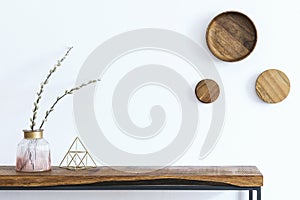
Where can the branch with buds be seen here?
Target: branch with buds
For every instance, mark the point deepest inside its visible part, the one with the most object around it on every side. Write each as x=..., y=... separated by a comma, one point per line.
x=41, y=90
x=67, y=92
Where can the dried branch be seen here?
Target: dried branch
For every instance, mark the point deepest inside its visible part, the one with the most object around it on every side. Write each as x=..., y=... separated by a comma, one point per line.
x=67, y=92
x=39, y=93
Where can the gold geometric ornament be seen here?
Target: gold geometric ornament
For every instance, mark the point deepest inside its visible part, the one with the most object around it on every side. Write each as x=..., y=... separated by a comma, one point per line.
x=77, y=157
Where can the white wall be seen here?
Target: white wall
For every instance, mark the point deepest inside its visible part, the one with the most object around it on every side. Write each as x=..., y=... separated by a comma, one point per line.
x=35, y=33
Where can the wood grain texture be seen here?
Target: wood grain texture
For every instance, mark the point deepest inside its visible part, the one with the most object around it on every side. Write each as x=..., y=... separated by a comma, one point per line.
x=231, y=36
x=207, y=91
x=243, y=176
x=272, y=86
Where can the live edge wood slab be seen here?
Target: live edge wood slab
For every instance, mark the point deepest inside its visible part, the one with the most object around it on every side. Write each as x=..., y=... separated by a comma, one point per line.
x=241, y=176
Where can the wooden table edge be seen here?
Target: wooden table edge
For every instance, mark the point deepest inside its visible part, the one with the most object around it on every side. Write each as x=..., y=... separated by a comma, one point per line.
x=60, y=177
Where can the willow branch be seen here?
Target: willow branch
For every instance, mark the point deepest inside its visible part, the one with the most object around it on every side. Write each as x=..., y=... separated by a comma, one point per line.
x=41, y=90
x=67, y=92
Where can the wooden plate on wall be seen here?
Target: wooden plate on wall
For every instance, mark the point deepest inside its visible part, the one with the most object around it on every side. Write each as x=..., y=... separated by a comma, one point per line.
x=272, y=86
x=231, y=36
x=207, y=91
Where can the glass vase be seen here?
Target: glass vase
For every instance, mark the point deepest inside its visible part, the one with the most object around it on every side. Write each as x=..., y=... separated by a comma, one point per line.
x=33, y=153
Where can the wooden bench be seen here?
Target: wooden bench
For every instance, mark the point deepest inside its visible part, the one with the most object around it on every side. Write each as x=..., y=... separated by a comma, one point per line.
x=246, y=178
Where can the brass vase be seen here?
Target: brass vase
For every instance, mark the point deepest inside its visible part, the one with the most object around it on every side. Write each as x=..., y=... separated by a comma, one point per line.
x=33, y=153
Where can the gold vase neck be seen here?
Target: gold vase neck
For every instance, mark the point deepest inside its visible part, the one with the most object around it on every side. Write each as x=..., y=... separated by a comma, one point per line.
x=35, y=134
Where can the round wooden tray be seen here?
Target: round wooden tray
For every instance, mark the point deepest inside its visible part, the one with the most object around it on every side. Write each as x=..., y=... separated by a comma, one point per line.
x=272, y=86
x=231, y=36
x=207, y=91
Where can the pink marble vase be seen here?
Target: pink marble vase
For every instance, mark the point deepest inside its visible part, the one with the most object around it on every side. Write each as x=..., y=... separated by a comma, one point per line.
x=33, y=153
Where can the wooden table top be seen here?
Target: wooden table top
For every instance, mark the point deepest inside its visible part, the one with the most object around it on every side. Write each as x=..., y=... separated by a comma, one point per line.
x=242, y=176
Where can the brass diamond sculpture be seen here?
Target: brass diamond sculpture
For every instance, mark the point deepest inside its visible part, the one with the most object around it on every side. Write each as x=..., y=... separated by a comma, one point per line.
x=77, y=157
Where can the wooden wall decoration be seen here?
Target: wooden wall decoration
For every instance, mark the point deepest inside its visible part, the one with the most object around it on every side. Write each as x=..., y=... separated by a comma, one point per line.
x=231, y=36
x=272, y=86
x=207, y=91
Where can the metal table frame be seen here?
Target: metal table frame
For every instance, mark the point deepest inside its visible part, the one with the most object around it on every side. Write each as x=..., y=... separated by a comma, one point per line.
x=145, y=187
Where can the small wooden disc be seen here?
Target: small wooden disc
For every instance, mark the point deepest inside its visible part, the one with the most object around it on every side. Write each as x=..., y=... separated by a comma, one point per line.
x=272, y=86
x=231, y=36
x=207, y=91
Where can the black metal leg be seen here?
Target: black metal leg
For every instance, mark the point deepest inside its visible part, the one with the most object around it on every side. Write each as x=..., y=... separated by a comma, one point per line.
x=258, y=193
x=250, y=194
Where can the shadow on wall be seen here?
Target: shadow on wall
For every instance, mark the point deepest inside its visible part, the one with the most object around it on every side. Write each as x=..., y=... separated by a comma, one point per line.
x=250, y=87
